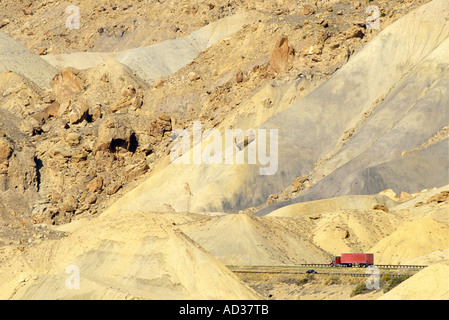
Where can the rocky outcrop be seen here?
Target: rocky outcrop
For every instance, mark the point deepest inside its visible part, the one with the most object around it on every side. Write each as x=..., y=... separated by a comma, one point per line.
x=66, y=85
x=159, y=126
x=282, y=55
x=105, y=123
x=17, y=161
x=131, y=97
x=78, y=111
x=114, y=134
x=6, y=149
x=440, y=197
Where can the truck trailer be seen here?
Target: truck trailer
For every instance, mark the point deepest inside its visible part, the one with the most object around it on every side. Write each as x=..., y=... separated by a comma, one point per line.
x=353, y=260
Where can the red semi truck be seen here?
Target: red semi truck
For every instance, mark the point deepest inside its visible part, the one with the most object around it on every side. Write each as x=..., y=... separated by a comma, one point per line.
x=353, y=260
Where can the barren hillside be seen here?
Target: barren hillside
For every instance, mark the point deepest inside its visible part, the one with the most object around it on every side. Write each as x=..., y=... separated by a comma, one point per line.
x=147, y=146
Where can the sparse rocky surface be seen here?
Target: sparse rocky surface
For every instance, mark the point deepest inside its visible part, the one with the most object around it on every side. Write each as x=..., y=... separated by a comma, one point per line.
x=87, y=125
x=106, y=122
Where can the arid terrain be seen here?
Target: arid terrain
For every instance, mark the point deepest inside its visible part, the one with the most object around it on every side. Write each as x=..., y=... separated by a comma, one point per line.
x=150, y=147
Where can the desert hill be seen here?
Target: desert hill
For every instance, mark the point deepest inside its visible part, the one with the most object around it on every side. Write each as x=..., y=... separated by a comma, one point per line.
x=136, y=256
x=430, y=284
x=352, y=135
x=106, y=26
x=14, y=57
x=243, y=240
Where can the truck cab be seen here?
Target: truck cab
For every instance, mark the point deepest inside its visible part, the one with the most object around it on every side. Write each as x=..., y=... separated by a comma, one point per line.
x=336, y=261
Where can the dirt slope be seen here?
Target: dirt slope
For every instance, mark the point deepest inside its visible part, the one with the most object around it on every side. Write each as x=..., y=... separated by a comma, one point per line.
x=17, y=58
x=128, y=256
x=108, y=26
x=230, y=188
x=243, y=240
x=346, y=224
x=160, y=60
x=432, y=283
